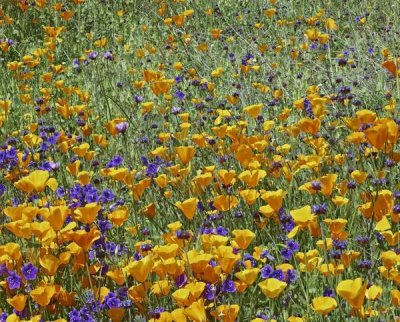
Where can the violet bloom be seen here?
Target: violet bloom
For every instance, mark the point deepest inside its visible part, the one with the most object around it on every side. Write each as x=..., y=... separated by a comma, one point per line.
x=29, y=271
x=316, y=185
x=175, y=110
x=156, y=313
x=266, y=271
x=209, y=292
x=2, y=189
x=152, y=170
x=293, y=245
x=328, y=292
x=121, y=127
x=180, y=95
x=278, y=274
x=181, y=280
x=76, y=63
x=3, y=269
x=221, y=231
x=14, y=281
x=115, y=161
x=93, y=55
x=228, y=287
x=291, y=276
x=108, y=55
x=286, y=253
x=320, y=209
x=138, y=99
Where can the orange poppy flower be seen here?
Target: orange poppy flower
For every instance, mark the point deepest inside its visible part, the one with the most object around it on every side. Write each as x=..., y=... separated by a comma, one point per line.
x=119, y=216
x=36, y=181
x=274, y=198
x=43, y=294
x=243, y=237
x=253, y=110
x=88, y=213
x=323, y=305
x=302, y=216
x=248, y=276
x=116, y=314
x=139, y=270
x=250, y=195
x=252, y=178
x=188, y=207
x=226, y=313
x=225, y=203
x=196, y=311
x=18, y=301
x=272, y=287
x=85, y=239
x=353, y=291
x=185, y=153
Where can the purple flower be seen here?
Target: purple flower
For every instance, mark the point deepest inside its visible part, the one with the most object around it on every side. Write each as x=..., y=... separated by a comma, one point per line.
x=209, y=292
x=138, y=98
x=175, y=110
x=221, y=231
x=228, y=286
x=2, y=189
x=351, y=184
x=319, y=209
x=286, y=253
x=115, y=162
x=74, y=315
x=3, y=269
x=266, y=271
x=181, y=280
x=362, y=240
x=146, y=247
x=156, y=313
x=29, y=271
x=180, y=95
x=152, y=170
x=266, y=254
x=364, y=264
x=121, y=127
x=293, y=245
x=104, y=225
x=145, y=231
x=182, y=234
x=328, y=292
x=316, y=185
x=278, y=274
x=291, y=276
x=111, y=300
x=14, y=281
x=75, y=63
x=108, y=55
x=93, y=55
x=390, y=163
x=107, y=195
x=339, y=244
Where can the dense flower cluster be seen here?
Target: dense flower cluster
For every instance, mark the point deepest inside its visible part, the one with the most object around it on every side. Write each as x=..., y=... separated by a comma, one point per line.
x=174, y=161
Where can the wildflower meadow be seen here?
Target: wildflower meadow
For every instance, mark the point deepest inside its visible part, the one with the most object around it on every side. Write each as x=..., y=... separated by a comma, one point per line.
x=199, y=160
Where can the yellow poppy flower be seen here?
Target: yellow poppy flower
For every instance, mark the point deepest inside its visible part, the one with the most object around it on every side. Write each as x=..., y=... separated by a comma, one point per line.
x=272, y=287
x=323, y=305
